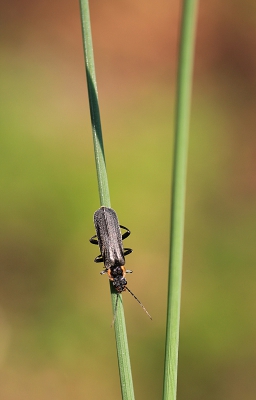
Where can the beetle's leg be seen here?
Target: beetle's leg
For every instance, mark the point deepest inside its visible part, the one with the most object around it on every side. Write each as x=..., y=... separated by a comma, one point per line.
x=94, y=241
x=98, y=259
x=104, y=271
x=127, y=251
x=127, y=233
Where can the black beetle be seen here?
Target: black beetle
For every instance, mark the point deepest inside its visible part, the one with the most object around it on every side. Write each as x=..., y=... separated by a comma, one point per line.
x=110, y=240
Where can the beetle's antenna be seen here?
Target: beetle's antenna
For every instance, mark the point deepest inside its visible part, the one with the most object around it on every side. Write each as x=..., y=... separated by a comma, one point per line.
x=136, y=298
x=115, y=310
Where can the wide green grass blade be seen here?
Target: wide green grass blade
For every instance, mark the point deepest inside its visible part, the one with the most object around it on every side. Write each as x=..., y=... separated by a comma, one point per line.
x=184, y=85
x=120, y=328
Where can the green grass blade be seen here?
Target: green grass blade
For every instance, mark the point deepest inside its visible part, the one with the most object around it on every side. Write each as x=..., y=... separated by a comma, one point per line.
x=182, y=115
x=120, y=328
x=94, y=105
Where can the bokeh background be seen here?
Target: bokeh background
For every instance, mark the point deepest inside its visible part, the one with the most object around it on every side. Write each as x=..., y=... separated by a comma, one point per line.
x=55, y=311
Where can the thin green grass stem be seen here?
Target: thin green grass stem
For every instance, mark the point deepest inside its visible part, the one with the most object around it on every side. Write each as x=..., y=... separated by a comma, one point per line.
x=182, y=116
x=120, y=328
x=94, y=106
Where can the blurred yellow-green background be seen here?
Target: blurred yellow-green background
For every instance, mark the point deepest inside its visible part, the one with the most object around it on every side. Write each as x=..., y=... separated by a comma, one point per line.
x=55, y=312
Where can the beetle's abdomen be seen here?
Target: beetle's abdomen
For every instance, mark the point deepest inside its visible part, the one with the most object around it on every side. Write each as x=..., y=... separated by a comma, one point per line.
x=109, y=237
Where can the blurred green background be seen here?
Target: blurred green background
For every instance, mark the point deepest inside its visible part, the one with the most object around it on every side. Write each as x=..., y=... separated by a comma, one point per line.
x=55, y=311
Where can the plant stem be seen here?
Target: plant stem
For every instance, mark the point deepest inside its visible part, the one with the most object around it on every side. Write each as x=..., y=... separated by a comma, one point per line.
x=182, y=116
x=120, y=328
x=94, y=106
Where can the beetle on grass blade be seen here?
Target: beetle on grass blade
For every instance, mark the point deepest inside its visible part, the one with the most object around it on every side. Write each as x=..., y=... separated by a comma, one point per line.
x=110, y=240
